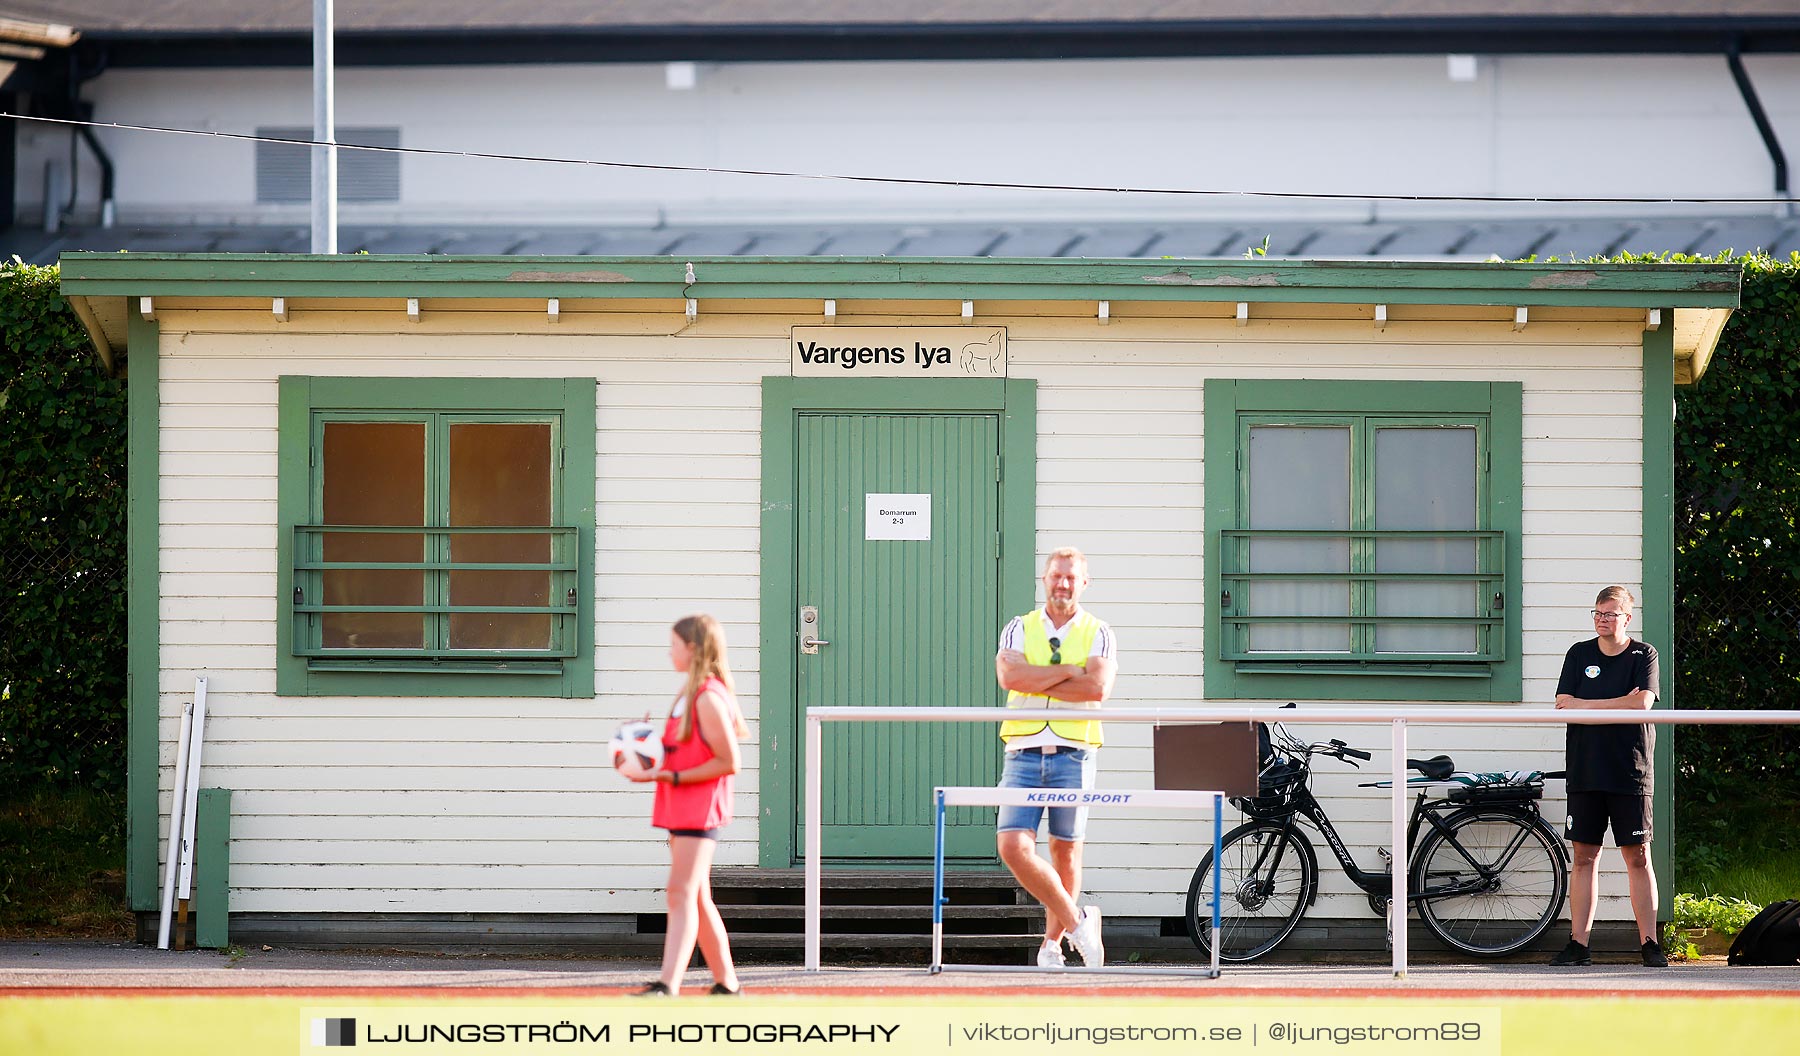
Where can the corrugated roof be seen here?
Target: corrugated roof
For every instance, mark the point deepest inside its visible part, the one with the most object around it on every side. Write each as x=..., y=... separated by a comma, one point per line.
x=187, y=16
x=1395, y=240
x=232, y=33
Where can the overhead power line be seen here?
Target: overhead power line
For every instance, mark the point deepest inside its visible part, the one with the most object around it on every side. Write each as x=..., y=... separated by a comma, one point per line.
x=909, y=181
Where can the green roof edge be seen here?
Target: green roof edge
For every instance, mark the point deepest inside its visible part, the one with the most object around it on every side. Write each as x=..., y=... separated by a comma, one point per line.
x=1658, y=285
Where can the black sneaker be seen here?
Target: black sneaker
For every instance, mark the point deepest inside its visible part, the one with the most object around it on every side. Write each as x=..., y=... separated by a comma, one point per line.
x=721, y=990
x=655, y=989
x=1576, y=953
x=1653, y=954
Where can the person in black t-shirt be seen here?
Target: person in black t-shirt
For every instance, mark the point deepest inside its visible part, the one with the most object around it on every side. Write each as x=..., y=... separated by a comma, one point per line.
x=1610, y=772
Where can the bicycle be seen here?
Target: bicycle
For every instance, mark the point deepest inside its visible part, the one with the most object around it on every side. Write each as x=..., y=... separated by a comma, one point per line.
x=1488, y=875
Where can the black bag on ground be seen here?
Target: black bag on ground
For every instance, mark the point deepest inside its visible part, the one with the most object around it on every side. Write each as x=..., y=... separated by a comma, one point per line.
x=1771, y=938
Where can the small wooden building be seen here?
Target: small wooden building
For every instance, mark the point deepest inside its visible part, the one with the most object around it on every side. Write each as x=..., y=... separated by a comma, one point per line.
x=424, y=522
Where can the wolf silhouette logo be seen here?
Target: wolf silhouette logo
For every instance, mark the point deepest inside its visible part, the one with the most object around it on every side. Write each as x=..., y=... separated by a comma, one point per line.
x=982, y=356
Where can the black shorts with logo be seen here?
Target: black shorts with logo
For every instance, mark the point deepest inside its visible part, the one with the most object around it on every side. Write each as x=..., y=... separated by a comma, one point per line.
x=1628, y=814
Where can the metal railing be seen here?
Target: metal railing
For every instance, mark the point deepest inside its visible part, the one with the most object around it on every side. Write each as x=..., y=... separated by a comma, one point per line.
x=1361, y=579
x=1397, y=718
x=432, y=573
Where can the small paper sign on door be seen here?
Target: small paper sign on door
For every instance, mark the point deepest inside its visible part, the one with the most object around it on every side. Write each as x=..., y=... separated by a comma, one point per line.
x=890, y=516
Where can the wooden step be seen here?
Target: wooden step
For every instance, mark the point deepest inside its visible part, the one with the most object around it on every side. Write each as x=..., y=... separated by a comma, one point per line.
x=883, y=942
x=921, y=896
x=838, y=877
x=884, y=912
x=748, y=884
x=880, y=912
x=893, y=924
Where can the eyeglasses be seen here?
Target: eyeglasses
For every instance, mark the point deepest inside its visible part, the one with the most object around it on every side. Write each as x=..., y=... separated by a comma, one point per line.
x=1598, y=615
x=1056, y=650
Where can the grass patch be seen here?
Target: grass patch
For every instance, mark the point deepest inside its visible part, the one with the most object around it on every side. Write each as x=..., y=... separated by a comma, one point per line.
x=62, y=865
x=1739, y=846
x=1761, y=882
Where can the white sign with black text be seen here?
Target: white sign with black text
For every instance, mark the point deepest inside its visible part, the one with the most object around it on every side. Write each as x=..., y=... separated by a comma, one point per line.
x=889, y=516
x=899, y=351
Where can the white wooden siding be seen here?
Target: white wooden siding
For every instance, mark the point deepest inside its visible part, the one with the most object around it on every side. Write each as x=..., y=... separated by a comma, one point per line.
x=504, y=805
x=454, y=804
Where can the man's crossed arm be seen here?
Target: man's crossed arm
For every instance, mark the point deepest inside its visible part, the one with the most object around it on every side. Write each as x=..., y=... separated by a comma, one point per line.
x=1070, y=683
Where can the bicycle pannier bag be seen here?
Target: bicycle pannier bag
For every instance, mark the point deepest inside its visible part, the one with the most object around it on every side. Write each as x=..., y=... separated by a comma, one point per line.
x=1499, y=789
x=1771, y=938
x=1496, y=795
x=1278, y=776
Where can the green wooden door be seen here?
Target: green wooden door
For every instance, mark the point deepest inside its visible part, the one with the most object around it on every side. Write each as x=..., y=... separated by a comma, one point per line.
x=910, y=621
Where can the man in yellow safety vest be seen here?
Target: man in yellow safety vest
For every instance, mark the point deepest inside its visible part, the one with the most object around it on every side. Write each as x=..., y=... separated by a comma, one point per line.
x=1056, y=657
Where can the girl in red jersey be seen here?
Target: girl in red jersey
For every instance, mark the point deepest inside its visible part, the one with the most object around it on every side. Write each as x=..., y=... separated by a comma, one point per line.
x=693, y=800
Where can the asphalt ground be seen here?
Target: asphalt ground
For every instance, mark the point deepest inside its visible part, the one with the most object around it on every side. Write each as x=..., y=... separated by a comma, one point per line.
x=99, y=966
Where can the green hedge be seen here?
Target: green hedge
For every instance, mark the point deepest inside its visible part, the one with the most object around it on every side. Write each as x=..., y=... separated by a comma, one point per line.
x=62, y=544
x=1737, y=578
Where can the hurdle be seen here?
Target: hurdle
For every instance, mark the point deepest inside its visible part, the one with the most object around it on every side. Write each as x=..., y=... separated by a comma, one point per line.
x=1397, y=718
x=987, y=796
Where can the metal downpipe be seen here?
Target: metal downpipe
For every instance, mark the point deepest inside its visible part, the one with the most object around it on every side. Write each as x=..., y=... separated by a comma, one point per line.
x=1734, y=59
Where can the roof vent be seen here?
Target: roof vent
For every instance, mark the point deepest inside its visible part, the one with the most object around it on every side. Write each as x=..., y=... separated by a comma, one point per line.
x=284, y=173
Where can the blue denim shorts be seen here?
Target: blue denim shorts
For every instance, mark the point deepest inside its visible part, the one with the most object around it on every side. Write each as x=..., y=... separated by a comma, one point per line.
x=1031, y=768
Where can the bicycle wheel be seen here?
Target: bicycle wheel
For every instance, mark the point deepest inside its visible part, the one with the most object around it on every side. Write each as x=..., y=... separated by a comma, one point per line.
x=1270, y=875
x=1503, y=878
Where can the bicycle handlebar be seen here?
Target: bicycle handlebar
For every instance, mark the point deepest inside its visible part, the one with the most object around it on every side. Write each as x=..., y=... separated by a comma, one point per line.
x=1340, y=749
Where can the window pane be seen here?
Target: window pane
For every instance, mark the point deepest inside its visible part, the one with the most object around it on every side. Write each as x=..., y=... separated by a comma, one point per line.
x=1300, y=478
x=1425, y=479
x=500, y=475
x=374, y=473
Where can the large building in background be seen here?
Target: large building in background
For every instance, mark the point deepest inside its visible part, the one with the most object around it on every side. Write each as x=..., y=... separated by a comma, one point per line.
x=1535, y=101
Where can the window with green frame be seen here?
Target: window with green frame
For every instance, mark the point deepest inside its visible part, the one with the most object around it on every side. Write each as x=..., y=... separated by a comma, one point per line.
x=436, y=536
x=1362, y=540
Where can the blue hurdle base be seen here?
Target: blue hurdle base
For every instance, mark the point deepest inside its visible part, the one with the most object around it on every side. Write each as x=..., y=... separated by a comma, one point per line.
x=939, y=901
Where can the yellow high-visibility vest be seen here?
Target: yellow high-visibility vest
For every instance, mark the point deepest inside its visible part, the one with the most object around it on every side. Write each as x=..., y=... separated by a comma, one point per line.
x=1077, y=643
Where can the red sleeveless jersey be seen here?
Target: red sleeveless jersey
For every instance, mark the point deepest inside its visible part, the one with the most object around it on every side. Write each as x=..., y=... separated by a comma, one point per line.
x=702, y=804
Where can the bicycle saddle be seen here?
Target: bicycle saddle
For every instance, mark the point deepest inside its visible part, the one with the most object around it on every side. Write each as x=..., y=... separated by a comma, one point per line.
x=1437, y=768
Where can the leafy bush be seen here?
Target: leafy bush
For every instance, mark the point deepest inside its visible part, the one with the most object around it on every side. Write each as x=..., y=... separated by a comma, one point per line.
x=1737, y=580
x=1737, y=588
x=1723, y=914
x=62, y=544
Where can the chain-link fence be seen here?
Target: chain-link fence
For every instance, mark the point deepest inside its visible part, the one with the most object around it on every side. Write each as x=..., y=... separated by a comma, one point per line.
x=62, y=649
x=1737, y=645
x=1737, y=642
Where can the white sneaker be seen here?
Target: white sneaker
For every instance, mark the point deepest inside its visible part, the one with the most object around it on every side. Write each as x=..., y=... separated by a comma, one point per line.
x=1050, y=955
x=1086, y=938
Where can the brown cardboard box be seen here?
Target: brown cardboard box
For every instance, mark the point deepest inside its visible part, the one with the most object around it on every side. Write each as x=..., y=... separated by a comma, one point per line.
x=1214, y=756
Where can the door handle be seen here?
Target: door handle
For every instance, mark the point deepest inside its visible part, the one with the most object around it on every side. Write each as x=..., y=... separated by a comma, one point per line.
x=807, y=631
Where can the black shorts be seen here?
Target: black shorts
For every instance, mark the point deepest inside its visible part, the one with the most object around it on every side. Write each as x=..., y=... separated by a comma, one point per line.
x=704, y=834
x=1591, y=812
